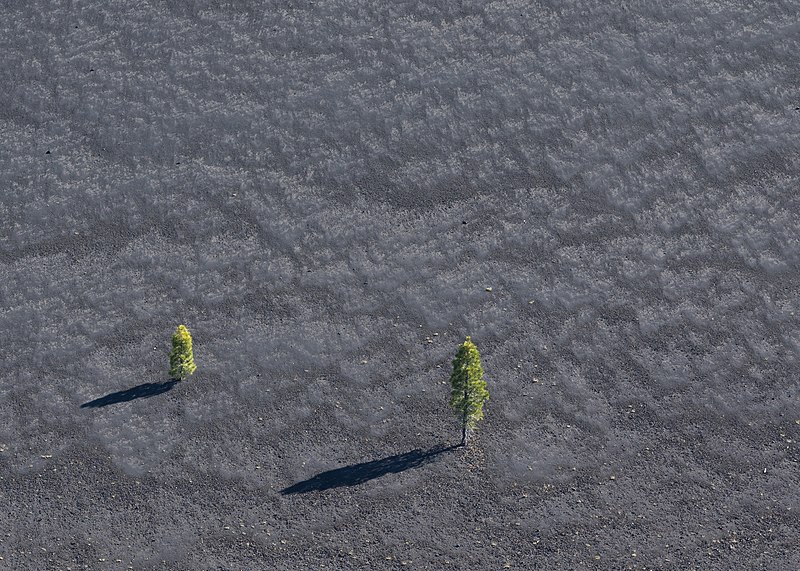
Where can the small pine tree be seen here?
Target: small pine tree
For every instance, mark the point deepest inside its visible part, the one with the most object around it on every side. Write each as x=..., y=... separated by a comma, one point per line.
x=181, y=358
x=468, y=387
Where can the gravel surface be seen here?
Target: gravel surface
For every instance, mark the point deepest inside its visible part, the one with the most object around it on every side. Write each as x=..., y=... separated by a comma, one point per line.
x=331, y=195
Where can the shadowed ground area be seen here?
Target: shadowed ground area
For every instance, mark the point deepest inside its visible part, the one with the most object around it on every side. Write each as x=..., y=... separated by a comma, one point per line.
x=359, y=473
x=138, y=392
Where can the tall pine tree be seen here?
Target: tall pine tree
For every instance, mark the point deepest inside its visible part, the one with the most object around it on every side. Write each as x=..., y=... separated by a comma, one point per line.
x=181, y=358
x=468, y=387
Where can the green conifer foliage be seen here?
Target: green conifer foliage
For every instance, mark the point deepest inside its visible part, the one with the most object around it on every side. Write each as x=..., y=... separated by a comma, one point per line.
x=181, y=358
x=468, y=387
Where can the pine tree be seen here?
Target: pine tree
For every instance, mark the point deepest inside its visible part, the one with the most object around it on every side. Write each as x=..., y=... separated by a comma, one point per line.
x=468, y=387
x=181, y=358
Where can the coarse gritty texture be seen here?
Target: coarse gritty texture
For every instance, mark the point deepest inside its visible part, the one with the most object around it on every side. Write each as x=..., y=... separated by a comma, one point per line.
x=322, y=192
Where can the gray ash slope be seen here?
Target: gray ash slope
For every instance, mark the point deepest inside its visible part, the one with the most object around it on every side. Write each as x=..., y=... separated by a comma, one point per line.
x=315, y=189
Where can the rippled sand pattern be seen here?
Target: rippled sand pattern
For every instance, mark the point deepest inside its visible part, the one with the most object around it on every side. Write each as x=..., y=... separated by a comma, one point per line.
x=323, y=192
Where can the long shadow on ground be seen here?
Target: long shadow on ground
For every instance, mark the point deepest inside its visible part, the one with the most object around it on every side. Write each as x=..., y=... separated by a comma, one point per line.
x=359, y=473
x=139, y=392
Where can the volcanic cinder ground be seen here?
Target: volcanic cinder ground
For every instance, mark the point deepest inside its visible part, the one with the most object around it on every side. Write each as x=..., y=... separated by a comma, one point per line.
x=322, y=192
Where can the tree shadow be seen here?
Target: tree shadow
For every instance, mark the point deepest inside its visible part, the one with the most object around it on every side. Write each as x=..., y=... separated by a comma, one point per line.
x=356, y=474
x=140, y=392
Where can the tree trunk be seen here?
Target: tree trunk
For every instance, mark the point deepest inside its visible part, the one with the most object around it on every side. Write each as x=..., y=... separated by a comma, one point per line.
x=464, y=422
